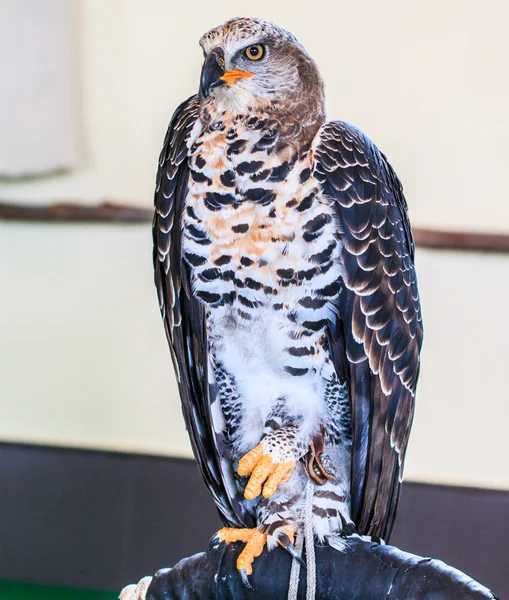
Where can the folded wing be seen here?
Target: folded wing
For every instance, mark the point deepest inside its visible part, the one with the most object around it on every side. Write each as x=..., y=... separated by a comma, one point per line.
x=377, y=337
x=184, y=320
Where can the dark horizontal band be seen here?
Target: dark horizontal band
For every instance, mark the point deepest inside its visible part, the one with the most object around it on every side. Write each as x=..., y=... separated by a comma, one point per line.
x=76, y=212
x=73, y=212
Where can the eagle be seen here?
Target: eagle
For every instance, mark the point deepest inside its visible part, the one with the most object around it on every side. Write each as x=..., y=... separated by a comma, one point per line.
x=284, y=266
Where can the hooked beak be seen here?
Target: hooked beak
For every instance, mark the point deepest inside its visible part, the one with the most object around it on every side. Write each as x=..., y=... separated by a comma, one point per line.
x=213, y=74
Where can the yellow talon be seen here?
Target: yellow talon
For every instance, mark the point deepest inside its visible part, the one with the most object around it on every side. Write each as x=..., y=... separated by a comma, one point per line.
x=253, y=548
x=230, y=534
x=249, y=461
x=262, y=470
x=255, y=542
x=265, y=473
x=281, y=474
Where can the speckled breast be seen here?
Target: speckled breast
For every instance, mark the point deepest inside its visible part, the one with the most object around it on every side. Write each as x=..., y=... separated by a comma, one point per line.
x=255, y=229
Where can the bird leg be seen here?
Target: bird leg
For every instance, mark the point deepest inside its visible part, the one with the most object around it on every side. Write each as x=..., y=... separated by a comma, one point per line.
x=271, y=463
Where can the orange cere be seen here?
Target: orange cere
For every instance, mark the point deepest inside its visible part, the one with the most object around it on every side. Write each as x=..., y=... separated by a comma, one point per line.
x=233, y=75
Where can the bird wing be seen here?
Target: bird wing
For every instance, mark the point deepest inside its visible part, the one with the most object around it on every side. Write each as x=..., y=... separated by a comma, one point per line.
x=377, y=337
x=184, y=319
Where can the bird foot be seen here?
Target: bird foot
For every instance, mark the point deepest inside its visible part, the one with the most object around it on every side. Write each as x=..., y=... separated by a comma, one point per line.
x=270, y=464
x=255, y=541
x=231, y=534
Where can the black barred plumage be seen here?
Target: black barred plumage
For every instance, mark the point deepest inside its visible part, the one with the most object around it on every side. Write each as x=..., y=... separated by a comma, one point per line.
x=284, y=267
x=230, y=399
x=338, y=405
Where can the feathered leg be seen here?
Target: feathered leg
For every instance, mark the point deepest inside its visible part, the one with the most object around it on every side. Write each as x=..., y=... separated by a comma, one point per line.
x=331, y=501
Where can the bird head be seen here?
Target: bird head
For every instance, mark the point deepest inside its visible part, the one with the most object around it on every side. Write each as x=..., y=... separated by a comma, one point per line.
x=253, y=64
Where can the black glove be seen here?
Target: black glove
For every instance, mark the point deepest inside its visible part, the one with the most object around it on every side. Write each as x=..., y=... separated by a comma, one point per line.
x=365, y=570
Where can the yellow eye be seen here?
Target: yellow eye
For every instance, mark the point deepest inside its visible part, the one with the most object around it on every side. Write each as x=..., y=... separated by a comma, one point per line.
x=255, y=52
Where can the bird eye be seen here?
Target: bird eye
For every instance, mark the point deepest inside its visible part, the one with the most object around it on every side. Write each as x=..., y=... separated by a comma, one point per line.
x=255, y=52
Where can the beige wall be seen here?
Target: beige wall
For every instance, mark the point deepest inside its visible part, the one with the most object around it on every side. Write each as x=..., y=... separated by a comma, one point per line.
x=426, y=80
x=83, y=355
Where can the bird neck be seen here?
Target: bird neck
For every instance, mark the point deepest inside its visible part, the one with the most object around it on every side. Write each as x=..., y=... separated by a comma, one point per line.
x=296, y=117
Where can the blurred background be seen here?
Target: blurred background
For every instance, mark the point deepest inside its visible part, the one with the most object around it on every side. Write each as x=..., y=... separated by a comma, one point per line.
x=97, y=483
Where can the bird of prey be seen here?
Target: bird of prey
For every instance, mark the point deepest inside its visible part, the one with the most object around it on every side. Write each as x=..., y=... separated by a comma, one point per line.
x=284, y=265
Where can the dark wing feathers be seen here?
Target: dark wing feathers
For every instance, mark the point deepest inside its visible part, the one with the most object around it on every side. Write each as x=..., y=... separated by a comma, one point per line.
x=184, y=317
x=381, y=327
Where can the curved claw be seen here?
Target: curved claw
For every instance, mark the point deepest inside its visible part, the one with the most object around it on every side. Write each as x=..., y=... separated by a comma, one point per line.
x=350, y=529
x=284, y=540
x=215, y=540
x=346, y=528
x=245, y=579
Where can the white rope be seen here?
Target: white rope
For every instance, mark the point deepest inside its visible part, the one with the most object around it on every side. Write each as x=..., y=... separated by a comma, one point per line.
x=305, y=536
x=293, y=587
x=136, y=591
x=310, y=543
